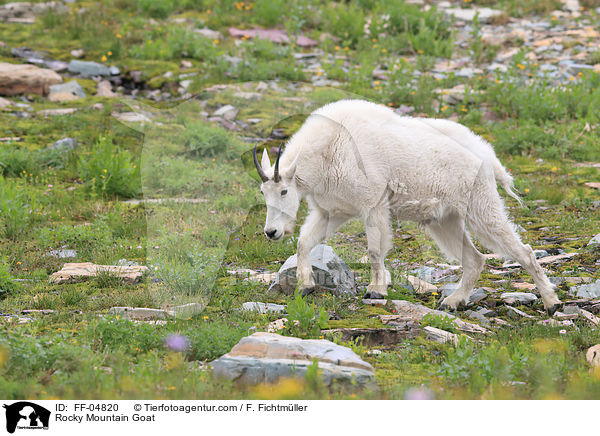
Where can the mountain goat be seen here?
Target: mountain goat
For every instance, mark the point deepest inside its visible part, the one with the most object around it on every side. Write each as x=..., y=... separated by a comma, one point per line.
x=354, y=158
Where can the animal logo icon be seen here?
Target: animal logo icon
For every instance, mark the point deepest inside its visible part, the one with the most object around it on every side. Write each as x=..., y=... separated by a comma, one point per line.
x=25, y=414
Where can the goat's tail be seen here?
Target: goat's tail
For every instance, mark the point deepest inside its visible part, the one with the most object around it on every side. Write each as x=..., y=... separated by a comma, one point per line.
x=506, y=181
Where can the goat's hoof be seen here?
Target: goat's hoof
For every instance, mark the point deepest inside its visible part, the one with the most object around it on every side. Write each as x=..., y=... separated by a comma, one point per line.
x=444, y=305
x=374, y=295
x=308, y=291
x=553, y=308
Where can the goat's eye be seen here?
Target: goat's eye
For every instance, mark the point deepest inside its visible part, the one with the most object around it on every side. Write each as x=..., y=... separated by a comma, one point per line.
x=262, y=193
x=284, y=192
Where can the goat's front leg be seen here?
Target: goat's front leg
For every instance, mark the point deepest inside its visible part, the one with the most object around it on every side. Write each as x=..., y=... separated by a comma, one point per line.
x=318, y=226
x=378, y=230
x=312, y=232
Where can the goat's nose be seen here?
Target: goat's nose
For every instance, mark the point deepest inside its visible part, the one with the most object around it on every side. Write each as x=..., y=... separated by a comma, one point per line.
x=270, y=233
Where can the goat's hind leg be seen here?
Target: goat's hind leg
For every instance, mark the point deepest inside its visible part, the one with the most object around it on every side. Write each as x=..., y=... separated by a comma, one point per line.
x=454, y=241
x=377, y=226
x=503, y=239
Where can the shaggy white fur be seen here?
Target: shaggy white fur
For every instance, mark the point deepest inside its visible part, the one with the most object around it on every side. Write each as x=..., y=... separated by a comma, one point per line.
x=354, y=158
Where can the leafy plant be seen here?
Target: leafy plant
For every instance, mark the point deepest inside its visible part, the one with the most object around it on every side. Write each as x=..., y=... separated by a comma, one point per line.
x=108, y=170
x=438, y=321
x=303, y=320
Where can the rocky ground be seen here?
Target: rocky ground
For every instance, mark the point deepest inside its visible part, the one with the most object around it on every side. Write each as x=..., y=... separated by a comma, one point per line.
x=133, y=261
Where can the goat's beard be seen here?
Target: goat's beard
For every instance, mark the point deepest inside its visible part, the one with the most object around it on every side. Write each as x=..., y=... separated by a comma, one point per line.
x=288, y=230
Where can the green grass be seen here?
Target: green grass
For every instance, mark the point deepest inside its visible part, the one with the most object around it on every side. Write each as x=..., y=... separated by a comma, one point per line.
x=74, y=200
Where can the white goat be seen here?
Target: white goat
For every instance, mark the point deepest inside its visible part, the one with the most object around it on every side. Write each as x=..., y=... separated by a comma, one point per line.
x=354, y=158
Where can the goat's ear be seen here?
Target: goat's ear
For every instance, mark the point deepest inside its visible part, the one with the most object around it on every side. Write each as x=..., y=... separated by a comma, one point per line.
x=291, y=170
x=265, y=162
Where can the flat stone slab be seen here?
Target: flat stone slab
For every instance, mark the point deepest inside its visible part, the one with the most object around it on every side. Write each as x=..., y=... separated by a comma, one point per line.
x=484, y=14
x=267, y=357
x=410, y=311
x=518, y=297
x=139, y=313
x=543, y=261
x=257, y=276
x=74, y=272
x=257, y=306
x=186, y=310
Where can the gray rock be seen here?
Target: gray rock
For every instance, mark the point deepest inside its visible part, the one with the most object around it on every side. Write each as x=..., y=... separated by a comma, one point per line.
x=267, y=357
x=114, y=71
x=556, y=280
x=227, y=112
x=595, y=240
x=63, y=253
x=138, y=313
x=208, y=33
x=73, y=88
x=486, y=312
x=257, y=306
x=131, y=117
x=476, y=296
x=329, y=270
x=484, y=14
x=186, y=310
x=465, y=72
x=424, y=273
x=571, y=310
x=77, y=53
x=478, y=316
x=87, y=69
x=64, y=145
x=591, y=290
x=516, y=314
x=125, y=262
x=33, y=57
x=518, y=297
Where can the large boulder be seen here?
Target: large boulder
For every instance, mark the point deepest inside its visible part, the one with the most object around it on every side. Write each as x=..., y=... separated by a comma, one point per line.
x=329, y=270
x=266, y=357
x=18, y=79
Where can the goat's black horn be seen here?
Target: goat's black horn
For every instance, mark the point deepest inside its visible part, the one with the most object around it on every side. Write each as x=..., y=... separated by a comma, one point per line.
x=261, y=172
x=276, y=172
